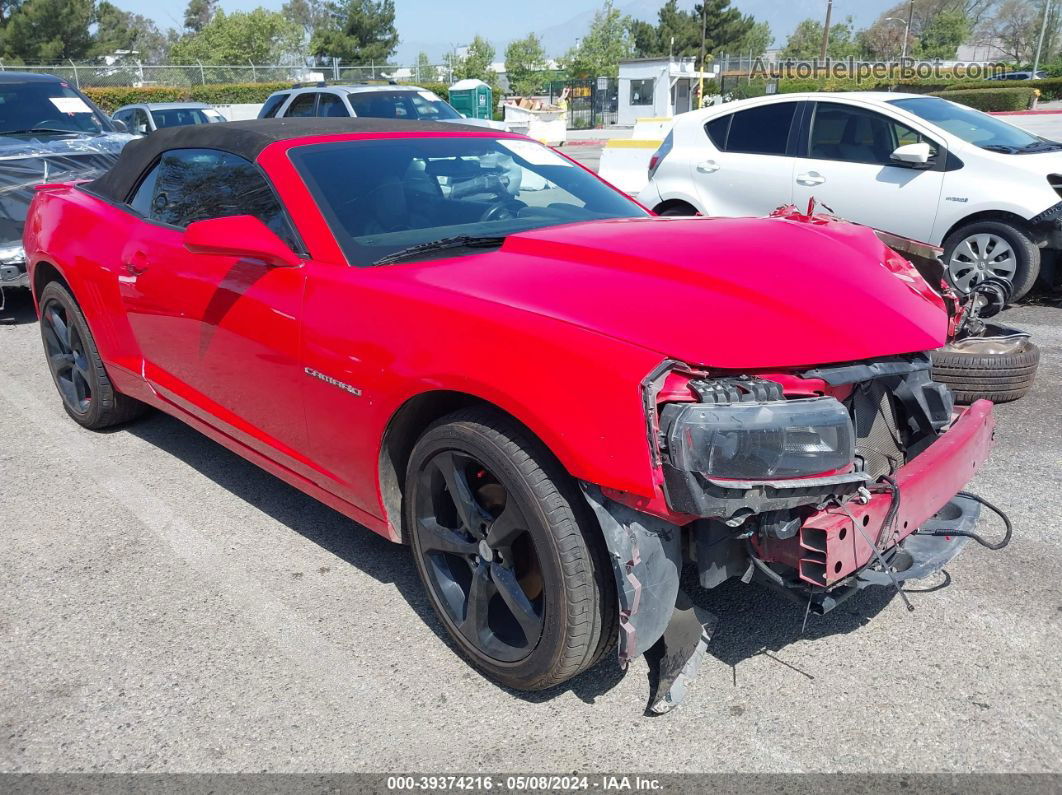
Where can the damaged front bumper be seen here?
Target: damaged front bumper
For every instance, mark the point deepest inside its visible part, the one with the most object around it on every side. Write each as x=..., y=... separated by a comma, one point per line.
x=834, y=553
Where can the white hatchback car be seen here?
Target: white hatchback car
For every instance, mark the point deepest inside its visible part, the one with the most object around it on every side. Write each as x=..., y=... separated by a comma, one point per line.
x=916, y=166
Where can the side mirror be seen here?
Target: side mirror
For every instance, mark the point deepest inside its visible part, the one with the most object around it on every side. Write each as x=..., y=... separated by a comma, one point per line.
x=241, y=236
x=913, y=154
x=120, y=125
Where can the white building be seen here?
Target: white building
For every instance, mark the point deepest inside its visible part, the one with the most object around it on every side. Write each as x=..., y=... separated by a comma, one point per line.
x=657, y=87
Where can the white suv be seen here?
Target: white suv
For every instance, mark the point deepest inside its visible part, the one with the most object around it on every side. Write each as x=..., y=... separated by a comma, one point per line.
x=373, y=101
x=916, y=166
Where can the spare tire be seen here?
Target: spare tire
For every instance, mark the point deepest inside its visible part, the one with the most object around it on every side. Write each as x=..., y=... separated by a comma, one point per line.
x=998, y=368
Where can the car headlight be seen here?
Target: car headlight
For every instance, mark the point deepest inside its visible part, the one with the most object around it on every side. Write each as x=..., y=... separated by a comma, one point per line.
x=12, y=255
x=759, y=441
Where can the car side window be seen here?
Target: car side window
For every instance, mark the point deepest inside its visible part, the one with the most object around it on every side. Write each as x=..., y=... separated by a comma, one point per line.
x=302, y=105
x=717, y=130
x=857, y=135
x=763, y=130
x=272, y=105
x=140, y=124
x=188, y=185
x=331, y=105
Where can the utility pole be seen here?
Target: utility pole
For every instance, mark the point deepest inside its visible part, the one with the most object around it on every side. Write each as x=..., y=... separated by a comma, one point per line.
x=1040, y=45
x=826, y=31
x=704, y=37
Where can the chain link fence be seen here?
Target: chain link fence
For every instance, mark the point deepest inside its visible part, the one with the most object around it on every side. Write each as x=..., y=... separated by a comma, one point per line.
x=132, y=73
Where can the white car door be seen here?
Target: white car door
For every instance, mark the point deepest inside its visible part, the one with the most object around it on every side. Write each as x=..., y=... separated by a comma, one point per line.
x=845, y=164
x=746, y=170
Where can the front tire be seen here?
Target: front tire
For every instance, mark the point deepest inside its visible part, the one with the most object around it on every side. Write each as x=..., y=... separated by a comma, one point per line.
x=509, y=553
x=979, y=250
x=75, y=364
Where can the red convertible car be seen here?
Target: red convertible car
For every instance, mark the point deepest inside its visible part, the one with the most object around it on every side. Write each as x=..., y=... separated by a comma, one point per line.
x=470, y=344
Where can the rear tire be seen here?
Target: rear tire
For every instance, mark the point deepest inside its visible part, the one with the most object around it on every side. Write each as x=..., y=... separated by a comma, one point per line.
x=979, y=250
x=522, y=535
x=676, y=208
x=76, y=367
x=999, y=377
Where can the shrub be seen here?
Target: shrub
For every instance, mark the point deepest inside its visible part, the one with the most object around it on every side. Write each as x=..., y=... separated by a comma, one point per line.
x=110, y=99
x=992, y=99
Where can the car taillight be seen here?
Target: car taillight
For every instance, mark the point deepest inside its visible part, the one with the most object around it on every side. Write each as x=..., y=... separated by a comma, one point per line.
x=659, y=155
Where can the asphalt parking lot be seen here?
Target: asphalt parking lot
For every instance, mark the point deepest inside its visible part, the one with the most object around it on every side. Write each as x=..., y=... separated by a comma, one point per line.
x=167, y=606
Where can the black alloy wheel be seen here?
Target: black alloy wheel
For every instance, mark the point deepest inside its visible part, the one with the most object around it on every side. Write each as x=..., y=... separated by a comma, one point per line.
x=75, y=364
x=508, y=550
x=66, y=357
x=480, y=561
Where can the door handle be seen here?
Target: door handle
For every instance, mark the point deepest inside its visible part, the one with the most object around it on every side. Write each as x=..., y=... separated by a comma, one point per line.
x=707, y=166
x=810, y=178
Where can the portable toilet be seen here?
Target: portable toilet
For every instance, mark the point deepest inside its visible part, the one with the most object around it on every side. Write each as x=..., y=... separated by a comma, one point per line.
x=472, y=98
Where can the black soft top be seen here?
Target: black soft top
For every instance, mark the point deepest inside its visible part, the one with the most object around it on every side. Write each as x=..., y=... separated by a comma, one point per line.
x=244, y=138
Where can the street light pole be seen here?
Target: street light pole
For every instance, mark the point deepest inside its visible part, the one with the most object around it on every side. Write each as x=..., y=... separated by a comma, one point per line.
x=906, y=27
x=1040, y=44
x=826, y=31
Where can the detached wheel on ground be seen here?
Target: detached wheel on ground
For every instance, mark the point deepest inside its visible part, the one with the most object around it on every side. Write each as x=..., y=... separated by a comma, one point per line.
x=991, y=248
x=76, y=367
x=512, y=559
x=999, y=370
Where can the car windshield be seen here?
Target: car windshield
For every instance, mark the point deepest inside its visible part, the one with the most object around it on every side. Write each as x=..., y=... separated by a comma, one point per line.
x=401, y=105
x=47, y=106
x=971, y=125
x=384, y=196
x=180, y=117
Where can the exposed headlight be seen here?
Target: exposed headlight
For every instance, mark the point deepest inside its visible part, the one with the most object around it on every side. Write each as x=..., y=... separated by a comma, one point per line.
x=759, y=441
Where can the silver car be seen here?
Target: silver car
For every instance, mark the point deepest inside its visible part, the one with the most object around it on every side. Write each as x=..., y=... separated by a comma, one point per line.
x=145, y=118
x=376, y=101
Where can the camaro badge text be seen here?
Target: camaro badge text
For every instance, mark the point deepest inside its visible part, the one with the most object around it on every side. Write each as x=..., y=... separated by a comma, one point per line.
x=334, y=382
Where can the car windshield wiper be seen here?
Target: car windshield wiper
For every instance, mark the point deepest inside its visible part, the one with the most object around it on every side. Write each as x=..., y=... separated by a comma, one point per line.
x=1007, y=150
x=1042, y=146
x=461, y=241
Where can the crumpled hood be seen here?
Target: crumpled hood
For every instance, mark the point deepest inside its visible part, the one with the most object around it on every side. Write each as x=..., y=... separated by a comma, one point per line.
x=729, y=293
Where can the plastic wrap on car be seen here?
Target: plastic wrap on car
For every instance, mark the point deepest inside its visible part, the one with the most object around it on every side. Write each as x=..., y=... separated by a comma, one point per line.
x=27, y=163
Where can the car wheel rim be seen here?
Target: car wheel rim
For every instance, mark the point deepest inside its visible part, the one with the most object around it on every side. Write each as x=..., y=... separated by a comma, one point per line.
x=479, y=557
x=66, y=357
x=978, y=257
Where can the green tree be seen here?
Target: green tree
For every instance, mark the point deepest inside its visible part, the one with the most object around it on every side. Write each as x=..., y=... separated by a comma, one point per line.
x=7, y=9
x=307, y=14
x=198, y=13
x=123, y=30
x=757, y=40
x=258, y=36
x=358, y=31
x=476, y=63
x=426, y=71
x=805, y=43
x=50, y=30
x=606, y=43
x=942, y=36
x=679, y=32
x=726, y=27
x=525, y=64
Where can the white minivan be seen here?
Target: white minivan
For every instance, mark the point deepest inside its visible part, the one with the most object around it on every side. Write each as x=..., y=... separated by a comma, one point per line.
x=917, y=166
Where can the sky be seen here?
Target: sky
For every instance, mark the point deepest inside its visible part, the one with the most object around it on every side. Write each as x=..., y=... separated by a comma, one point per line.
x=436, y=25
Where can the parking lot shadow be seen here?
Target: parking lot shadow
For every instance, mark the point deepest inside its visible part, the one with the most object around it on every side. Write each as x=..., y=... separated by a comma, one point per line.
x=17, y=306
x=358, y=546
